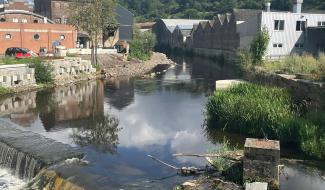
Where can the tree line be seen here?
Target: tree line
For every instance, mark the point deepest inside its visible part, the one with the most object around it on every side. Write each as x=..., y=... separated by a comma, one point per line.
x=149, y=10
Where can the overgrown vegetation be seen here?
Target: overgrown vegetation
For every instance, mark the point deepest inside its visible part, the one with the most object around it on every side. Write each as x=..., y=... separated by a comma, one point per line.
x=267, y=112
x=4, y=90
x=12, y=60
x=43, y=72
x=295, y=64
x=142, y=45
x=259, y=46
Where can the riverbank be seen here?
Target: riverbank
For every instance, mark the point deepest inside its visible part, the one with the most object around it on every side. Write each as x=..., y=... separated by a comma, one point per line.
x=112, y=66
x=115, y=66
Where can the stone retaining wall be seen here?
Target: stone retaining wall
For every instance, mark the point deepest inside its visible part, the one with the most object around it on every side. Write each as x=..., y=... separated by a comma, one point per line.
x=16, y=75
x=70, y=67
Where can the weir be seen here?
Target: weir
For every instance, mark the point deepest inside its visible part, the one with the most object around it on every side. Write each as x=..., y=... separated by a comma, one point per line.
x=25, y=153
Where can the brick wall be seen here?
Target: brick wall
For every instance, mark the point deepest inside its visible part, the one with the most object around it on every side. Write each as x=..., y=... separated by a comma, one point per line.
x=22, y=35
x=19, y=5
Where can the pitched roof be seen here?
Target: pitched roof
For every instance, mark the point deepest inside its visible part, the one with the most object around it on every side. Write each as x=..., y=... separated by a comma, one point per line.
x=245, y=14
x=183, y=24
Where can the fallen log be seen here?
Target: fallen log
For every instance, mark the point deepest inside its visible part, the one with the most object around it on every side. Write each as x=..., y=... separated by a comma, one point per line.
x=235, y=156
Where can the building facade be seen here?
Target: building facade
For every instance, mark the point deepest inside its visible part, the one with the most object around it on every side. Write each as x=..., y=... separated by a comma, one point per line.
x=35, y=35
x=16, y=5
x=290, y=32
x=58, y=11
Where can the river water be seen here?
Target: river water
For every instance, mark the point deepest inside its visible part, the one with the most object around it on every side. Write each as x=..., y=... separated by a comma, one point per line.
x=158, y=117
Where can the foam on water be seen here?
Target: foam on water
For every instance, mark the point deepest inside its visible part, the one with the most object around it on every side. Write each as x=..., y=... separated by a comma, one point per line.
x=10, y=182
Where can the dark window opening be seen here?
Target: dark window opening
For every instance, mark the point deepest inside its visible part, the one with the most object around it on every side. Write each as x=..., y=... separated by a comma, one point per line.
x=35, y=21
x=301, y=26
x=2, y=20
x=279, y=25
x=36, y=37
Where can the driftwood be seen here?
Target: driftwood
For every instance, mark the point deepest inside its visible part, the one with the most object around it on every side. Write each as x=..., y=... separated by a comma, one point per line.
x=184, y=170
x=235, y=156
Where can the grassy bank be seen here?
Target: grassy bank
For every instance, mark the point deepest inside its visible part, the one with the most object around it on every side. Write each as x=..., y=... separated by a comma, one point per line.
x=312, y=67
x=262, y=111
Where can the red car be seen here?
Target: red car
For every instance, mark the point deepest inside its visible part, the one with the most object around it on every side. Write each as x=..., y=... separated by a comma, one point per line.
x=18, y=52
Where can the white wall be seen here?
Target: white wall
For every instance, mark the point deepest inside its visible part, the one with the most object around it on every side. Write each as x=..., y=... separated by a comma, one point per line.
x=289, y=36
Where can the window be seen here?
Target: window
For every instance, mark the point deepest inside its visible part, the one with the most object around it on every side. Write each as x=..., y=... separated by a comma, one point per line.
x=65, y=21
x=321, y=23
x=14, y=20
x=58, y=20
x=35, y=21
x=8, y=36
x=278, y=45
x=62, y=37
x=2, y=20
x=279, y=25
x=299, y=45
x=301, y=26
x=36, y=37
x=24, y=20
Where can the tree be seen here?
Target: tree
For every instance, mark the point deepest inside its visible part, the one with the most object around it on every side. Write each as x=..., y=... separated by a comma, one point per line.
x=259, y=46
x=94, y=17
x=142, y=44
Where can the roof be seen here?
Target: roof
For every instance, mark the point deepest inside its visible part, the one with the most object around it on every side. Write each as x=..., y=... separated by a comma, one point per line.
x=183, y=24
x=245, y=14
x=25, y=13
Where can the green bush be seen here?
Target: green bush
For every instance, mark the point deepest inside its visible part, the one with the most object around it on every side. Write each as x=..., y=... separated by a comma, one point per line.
x=262, y=111
x=142, y=45
x=43, y=72
x=259, y=46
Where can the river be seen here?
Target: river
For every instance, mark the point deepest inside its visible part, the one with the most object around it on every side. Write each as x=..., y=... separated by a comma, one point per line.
x=157, y=117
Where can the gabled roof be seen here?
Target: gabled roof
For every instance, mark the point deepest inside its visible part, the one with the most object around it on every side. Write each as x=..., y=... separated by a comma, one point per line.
x=245, y=14
x=183, y=24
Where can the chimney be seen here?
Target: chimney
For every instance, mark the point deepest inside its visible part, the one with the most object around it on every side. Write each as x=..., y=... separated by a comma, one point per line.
x=297, y=6
x=268, y=6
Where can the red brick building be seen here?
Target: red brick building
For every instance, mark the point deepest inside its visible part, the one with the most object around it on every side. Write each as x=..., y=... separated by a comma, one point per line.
x=19, y=5
x=33, y=31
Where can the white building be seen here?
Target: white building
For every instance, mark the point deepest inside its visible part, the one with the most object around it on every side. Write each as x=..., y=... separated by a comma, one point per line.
x=290, y=32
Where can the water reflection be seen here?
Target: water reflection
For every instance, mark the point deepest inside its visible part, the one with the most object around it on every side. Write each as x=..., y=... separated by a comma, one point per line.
x=118, y=122
x=101, y=133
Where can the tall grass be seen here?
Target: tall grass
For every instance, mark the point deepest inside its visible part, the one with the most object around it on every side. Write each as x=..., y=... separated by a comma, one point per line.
x=295, y=64
x=263, y=111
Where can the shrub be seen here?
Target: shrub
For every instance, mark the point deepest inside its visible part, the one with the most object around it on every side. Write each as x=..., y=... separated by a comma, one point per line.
x=259, y=46
x=43, y=72
x=142, y=45
x=4, y=90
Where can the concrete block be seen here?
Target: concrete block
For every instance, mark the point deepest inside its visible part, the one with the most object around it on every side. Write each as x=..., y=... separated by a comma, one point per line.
x=256, y=186
x=226, y=84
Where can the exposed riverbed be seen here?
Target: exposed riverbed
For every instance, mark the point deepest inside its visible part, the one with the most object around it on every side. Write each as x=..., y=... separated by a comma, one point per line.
x=160, y=117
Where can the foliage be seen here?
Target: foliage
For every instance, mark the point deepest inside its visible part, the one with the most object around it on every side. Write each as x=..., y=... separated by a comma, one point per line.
x=142, y=44
x=95, y=17
x=262, y=111
x=4, y=90
x=296, y=64
x=12, y=60
x=43, y=72
x=204, y=9
x=72, y=55
x=259, y=46
x=102, y=133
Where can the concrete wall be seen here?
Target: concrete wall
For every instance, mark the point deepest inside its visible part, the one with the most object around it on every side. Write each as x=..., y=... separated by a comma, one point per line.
x=16, y=75
x=69, y=67
x=22, y=35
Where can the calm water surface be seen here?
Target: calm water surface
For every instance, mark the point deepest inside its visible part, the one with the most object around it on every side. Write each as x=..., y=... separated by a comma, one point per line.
x=160, y=117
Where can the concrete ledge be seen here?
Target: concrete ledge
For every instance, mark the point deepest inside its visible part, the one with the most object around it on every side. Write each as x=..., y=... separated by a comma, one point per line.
x=226, y=84
x=256, y=186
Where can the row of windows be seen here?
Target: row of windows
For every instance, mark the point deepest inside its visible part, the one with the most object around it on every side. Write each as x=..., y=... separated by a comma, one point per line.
x=280, y=45
x=16, y=20
x=279, y=25
x=35, y=37
x=61, y=21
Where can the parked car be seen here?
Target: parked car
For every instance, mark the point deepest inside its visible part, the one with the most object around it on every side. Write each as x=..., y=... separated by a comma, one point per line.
x=19, y=52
